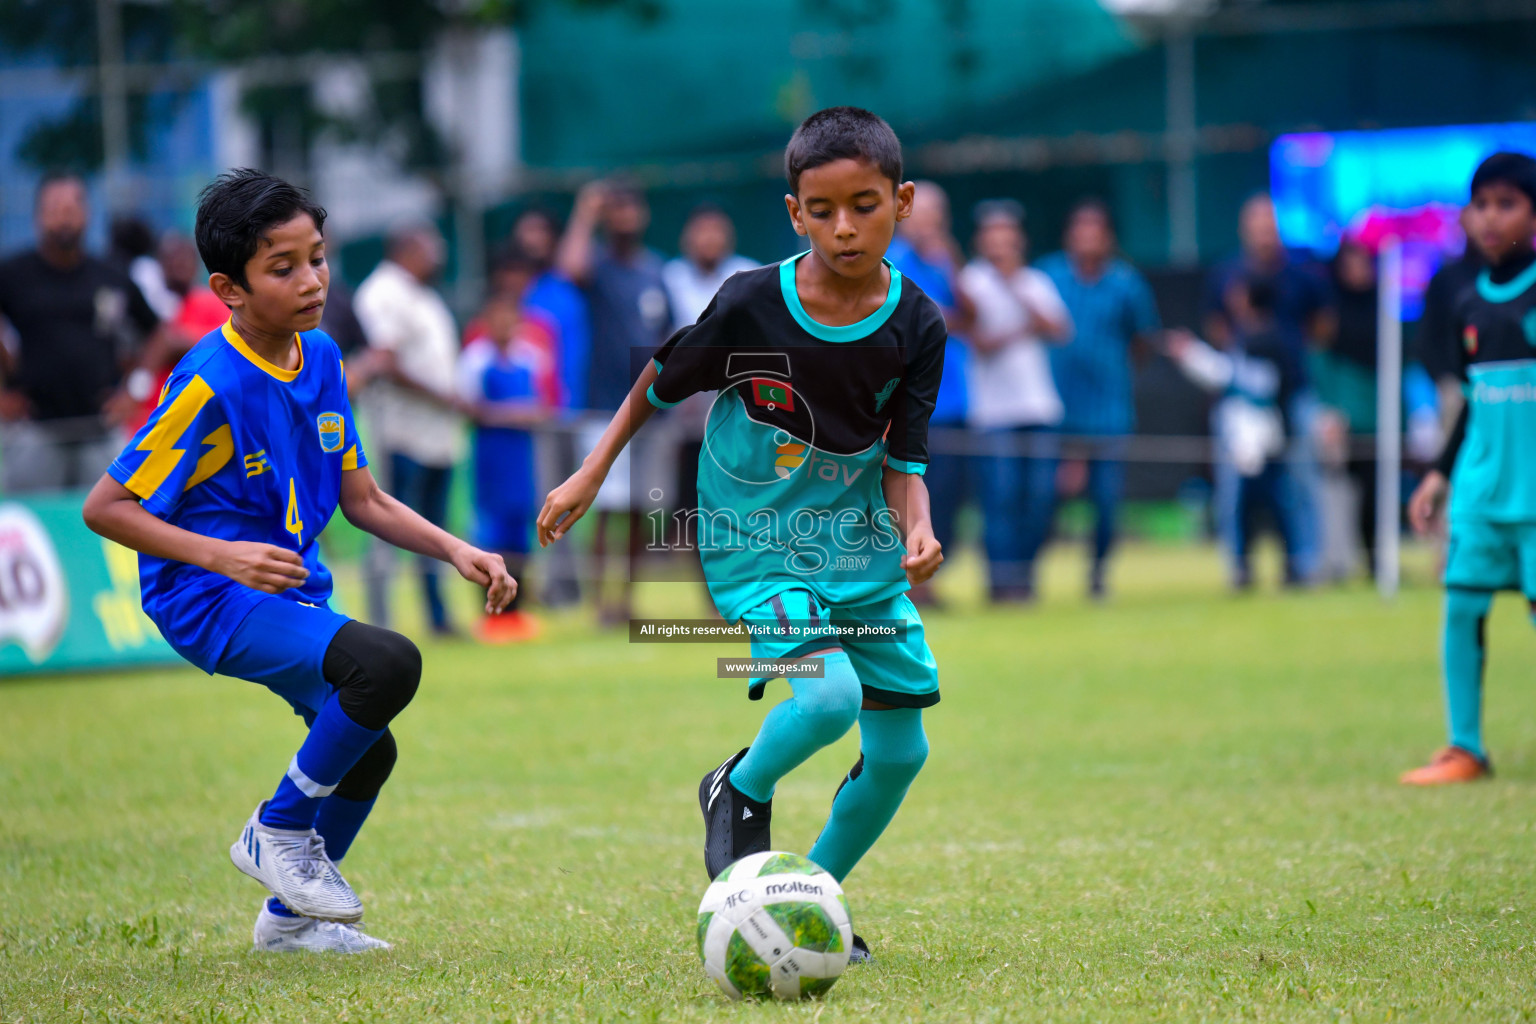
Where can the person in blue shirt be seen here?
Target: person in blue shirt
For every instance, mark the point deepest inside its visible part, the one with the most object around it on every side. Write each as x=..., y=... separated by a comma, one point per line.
x=224, y=493
x=1113, y=312
x=508, y=381
x=1305, y=316
x=535, y=236
x=1486, y=467
x=926, y=253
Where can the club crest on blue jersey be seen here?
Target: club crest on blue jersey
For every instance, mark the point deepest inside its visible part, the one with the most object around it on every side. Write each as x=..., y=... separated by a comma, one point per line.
x=332, y=431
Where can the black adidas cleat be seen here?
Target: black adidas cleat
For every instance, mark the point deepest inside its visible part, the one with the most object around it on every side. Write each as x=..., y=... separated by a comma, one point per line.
x=734, y=824
x=859, y=954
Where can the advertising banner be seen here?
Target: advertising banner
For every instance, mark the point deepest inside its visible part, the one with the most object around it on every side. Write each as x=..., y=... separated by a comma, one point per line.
x=68, y=598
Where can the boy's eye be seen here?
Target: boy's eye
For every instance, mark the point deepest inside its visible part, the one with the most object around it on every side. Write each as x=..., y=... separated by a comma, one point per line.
x=865, y=209
x=821, y=214
x=281, y=271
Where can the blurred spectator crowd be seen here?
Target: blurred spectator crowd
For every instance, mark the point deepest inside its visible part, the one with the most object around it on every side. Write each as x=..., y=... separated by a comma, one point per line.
x=1036, y=404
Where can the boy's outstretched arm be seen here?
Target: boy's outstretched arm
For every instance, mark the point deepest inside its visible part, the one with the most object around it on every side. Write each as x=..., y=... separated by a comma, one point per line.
x=570, y=501
x=907, y=497
x=367, y=507
x=114, y=512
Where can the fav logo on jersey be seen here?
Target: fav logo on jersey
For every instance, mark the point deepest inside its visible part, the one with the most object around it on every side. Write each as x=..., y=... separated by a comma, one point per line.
x=332, y=431
x=791, y=455
x=884, y=394
x=773, y=393
x=1469, y=339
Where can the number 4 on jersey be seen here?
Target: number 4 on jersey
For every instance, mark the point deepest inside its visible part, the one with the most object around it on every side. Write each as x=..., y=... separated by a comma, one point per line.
x=291, y=521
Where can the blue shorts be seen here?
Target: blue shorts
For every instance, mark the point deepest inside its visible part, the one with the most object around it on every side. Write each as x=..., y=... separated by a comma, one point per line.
x=504, y=530
x=1492, y=556
x=901, y=672
x=281, y=644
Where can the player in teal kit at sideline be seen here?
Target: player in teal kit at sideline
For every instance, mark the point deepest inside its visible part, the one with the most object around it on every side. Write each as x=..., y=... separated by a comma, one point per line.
x=1487, y=463
x=224, y=492
x=816, y=516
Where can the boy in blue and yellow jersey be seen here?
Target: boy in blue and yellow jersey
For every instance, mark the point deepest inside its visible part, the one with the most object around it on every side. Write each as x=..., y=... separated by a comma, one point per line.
x=224, y=492
x=1487, y=464
x=815, y=520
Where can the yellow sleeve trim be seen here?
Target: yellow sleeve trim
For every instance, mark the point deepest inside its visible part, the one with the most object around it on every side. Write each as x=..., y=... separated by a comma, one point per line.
x=171, y=423
x=349, y=460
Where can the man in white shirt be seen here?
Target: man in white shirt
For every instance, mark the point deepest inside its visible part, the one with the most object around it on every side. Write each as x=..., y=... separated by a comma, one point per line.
x=1012, y=397
x=709, y=256
x=416, y=417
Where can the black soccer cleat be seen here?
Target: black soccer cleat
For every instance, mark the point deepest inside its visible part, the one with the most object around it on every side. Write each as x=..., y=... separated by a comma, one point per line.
x=859, y=954
x=735, y=825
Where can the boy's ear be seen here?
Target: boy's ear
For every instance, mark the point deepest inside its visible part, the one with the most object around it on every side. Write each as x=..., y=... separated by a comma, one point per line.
x=793, y=206
x=229, y=293
x=905, y=192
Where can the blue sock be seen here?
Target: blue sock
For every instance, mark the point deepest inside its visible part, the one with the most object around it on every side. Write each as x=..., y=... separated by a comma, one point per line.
x=819, y=713
x=275, y=906
x=333, y=745
x=892, y=749
x=338, y=822
x=1465, y=652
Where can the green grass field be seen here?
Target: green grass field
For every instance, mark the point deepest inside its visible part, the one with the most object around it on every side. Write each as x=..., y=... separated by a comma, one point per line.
x=1178, y=807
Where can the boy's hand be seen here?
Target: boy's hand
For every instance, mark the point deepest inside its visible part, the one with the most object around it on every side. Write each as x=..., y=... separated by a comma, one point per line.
x=574, y=496
x=923, y=555
x=488, y=570
x=264, y=567
x=1424, y=506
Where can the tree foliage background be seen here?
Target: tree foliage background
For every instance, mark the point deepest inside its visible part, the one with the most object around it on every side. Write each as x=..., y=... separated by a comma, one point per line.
x=64, y=33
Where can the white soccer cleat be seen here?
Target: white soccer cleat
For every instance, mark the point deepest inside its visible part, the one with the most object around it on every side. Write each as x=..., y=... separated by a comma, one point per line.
x=293, y=866
x=277, y=934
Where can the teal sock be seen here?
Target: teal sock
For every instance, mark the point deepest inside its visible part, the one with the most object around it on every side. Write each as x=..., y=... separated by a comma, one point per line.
x=1465, y=652
x=819, y=713
x=892, y=749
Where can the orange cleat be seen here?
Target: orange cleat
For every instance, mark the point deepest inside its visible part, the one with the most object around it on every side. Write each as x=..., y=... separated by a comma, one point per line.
x=508, y=628
x=1450, y=765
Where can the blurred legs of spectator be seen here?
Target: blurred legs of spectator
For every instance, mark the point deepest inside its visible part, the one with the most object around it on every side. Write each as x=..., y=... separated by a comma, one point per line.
x=66, y=455
x=1305, y=490
x=1268, y=491
x=1363, y=473
x=379, y=559
x=1106, y=489
x=1018, y=482
x=425, y=489
x=949, y=480
x=555, y=458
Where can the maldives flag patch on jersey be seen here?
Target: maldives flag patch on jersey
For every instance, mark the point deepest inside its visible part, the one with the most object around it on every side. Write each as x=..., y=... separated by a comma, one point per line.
x=1469, y=339
x=773, y=393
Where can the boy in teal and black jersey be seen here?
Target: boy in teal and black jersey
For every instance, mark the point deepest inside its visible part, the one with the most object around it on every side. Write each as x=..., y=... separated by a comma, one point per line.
x=813, y=514
x=1487, y=464
x=223, y=493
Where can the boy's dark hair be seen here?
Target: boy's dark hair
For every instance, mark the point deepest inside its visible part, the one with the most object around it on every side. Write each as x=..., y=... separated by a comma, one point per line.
x=842, y=133
x=1262, y=294
x=1095, y=206
x=52, y=178
x=234, y=213
x=1517, y=170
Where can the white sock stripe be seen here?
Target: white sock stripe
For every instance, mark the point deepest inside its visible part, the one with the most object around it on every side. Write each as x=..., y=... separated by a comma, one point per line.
x=308, y=786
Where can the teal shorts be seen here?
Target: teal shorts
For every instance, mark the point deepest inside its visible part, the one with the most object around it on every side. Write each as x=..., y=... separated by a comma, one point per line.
x=899, y=672
x=1492, y=556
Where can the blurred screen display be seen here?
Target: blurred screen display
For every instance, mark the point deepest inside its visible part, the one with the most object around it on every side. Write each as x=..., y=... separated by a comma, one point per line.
x=1408, y=183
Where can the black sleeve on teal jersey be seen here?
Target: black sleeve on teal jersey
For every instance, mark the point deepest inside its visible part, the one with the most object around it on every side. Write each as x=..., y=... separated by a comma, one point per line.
x=912, y=405
x=1458, y=434
x=694, y=358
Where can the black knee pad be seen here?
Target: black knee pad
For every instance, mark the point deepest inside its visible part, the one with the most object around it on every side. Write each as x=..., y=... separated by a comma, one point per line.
x=370, y=773
x=375, y=672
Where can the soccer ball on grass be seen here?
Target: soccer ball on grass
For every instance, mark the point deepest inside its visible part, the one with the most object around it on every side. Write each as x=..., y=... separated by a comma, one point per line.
x=774, y=924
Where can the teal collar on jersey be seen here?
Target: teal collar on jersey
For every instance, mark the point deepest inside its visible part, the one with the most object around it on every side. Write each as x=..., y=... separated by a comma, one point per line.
x=850, y=332
x=1511, y=289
